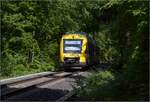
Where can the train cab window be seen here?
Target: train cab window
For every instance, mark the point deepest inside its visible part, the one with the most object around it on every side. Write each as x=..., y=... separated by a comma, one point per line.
x=72, y=45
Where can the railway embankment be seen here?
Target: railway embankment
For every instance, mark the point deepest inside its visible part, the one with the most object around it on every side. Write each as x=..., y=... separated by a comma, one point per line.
x=50, y=86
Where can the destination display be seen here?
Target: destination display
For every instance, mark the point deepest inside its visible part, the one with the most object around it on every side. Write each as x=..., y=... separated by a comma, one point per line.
x=72, y=42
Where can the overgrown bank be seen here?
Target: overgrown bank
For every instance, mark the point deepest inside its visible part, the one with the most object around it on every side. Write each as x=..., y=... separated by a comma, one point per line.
x=124, y=42
x=30, y=42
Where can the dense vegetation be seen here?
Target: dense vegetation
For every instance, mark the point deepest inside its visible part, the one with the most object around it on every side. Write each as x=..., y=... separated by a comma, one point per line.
x=31, y=31
x=123, y=39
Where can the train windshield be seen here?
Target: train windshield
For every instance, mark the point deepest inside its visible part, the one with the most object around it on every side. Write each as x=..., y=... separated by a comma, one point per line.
x=72, y=46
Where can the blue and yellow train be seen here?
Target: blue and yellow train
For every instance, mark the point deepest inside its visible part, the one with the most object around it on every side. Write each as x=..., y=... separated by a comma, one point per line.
x=78, y=50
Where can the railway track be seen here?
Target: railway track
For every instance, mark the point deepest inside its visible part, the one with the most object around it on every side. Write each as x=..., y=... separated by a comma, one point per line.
x=12, y=90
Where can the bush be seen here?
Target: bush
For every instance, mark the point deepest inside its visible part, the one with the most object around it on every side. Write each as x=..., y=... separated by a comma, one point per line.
x=16, y=65
x=112, y=86
x=7, y=64
x=97, y=87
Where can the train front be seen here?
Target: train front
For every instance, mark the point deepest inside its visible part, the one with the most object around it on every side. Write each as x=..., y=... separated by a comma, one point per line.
x=73, y=50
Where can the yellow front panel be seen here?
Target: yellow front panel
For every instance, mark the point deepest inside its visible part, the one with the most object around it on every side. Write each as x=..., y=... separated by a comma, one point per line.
x=82, y=55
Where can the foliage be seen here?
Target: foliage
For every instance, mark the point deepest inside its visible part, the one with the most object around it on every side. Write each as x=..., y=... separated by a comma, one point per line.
x=31, y=31
x=97, y=84
x=125, y=43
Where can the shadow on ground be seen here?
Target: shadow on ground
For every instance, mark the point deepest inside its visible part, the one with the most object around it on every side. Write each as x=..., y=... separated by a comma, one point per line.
x=36, y=93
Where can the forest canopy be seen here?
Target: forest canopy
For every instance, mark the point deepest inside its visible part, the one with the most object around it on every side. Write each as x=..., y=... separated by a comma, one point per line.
x=31, y=31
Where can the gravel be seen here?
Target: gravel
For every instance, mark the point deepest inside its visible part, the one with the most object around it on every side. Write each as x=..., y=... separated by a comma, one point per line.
x=50, y=91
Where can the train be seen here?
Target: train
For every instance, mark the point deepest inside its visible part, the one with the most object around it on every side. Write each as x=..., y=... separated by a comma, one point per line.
x=78, y=49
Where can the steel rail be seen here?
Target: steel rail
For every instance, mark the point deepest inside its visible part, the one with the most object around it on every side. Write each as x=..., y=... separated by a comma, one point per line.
x=21, y=90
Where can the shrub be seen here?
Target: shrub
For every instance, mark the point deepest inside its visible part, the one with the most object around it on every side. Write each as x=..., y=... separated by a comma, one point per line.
x=97, y=87
x=7, y=64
